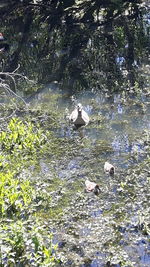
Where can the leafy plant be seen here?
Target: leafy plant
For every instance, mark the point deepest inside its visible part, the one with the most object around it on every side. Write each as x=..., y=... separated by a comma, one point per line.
x=21, y=138
x=15, y=195
x=27, y=243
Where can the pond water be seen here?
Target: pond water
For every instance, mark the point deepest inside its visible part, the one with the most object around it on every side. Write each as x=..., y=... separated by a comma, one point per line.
x=84, y=55
x=103, y=230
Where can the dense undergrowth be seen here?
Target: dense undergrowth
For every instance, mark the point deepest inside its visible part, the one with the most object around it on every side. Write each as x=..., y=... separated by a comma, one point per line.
x=23, y=238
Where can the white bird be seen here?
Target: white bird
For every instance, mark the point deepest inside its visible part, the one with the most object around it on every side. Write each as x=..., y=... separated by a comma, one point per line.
x=109, y=168
x=92, y=187
x=79, y=117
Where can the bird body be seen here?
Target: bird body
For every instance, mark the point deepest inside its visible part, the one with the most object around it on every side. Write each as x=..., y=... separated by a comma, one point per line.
x=79, y=117
x=109, y=168
x=92, y=187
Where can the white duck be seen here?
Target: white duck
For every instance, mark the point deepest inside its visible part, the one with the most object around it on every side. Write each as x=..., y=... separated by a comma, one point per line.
x=92, y=187
x=109, y=168
x=79, y=117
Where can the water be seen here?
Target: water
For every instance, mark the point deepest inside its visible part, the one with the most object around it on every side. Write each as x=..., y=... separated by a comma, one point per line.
x=99, y=230
x=77, y=51
x=114, y=121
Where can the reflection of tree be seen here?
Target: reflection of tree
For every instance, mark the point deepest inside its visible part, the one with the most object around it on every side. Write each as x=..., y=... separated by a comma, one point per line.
x=79, y=43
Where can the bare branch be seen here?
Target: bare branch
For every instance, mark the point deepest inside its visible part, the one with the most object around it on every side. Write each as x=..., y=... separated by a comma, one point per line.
x=5, y=87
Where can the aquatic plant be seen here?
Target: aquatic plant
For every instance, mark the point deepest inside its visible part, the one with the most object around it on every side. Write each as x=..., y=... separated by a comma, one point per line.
x=27, y=243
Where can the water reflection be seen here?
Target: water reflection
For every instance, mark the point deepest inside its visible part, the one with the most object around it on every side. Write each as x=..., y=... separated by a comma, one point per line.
x=96, y=213
x=118, y=123
x=112, y=135
x=120, y=109
x=79, y=51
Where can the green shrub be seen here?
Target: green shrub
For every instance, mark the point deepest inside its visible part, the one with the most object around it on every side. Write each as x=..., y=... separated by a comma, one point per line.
x=23, y=242
x=15, y=195
x=21, y=138
x=27, y=244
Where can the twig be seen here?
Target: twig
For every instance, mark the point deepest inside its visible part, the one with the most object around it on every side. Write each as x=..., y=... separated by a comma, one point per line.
x=6, y=117
x=6, y=87
x=12, y=76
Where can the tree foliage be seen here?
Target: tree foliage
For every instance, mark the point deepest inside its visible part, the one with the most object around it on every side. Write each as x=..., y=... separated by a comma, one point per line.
x=77, y=43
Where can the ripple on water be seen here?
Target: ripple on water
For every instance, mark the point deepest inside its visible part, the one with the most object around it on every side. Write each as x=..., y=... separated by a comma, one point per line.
x=85, y=231
x=84, y=221
x=98, y=263
x=96, y=213
x=143, y=249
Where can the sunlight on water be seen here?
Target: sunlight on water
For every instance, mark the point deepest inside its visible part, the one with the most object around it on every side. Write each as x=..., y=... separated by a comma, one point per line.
x=113, y=134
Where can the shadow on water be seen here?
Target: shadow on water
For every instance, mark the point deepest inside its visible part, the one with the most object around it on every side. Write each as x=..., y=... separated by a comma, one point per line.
x=99, y=230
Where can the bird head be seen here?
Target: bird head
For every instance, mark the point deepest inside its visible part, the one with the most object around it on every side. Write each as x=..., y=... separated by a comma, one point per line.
x=79, y=107
x=96, y=190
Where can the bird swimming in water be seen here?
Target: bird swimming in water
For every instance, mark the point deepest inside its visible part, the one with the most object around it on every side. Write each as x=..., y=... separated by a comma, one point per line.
x=92, y=187
x=79, y=117
x=109, y=168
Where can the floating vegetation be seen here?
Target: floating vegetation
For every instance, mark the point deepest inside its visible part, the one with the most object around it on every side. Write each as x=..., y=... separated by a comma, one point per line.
x=44, y=190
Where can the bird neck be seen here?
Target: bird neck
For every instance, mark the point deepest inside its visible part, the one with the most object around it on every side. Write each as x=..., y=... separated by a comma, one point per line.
x=79, y=113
